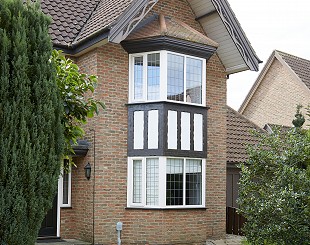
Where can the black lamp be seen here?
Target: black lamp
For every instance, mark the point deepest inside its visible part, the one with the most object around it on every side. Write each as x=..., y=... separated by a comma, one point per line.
x=87, y=169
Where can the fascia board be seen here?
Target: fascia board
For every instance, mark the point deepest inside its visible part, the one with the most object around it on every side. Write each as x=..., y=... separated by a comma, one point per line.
x=235, y=31
x=130, y=19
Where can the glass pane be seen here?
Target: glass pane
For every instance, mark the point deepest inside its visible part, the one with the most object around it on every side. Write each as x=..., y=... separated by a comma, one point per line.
x=174, y=182
x=153, y=76
x=175, y=77
x=152, y=181
x=137, y=181
x=65, y=183
x=138, y=78
x=193, y=182
x=193, y=81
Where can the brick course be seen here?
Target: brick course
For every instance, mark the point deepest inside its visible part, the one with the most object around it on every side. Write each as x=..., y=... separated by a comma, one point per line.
x=141, y=226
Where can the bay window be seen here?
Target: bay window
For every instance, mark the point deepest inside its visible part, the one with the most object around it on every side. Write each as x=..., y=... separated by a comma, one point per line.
x=166, y=182
x=165, y=75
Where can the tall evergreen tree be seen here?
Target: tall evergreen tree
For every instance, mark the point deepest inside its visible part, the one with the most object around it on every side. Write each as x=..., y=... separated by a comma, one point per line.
x=31, y=134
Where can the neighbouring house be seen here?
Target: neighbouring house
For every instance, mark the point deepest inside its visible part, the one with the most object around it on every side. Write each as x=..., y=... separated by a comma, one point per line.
x=239, y=137
x=283, y=83
x=158, y=152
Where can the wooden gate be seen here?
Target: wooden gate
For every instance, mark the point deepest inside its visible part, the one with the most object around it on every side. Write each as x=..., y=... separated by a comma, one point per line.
x=234, y=221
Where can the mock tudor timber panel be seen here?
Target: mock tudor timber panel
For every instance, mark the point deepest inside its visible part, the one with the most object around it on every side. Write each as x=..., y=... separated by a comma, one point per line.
x=181, y=129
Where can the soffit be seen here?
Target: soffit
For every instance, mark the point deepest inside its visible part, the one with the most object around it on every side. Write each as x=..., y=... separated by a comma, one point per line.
x=222, y=26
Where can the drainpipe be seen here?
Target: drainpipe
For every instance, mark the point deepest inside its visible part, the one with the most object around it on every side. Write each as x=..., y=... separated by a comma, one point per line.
x=94, y=179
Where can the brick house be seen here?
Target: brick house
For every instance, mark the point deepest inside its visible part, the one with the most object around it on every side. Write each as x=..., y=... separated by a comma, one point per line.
x=283, y=83
x=158, y=151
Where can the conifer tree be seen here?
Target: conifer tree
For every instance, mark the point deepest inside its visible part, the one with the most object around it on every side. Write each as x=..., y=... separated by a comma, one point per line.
x=31, y=134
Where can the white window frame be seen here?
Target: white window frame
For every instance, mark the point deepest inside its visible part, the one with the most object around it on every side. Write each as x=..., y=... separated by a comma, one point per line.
x=62, y=204
x=163, y=77
x=162, y=184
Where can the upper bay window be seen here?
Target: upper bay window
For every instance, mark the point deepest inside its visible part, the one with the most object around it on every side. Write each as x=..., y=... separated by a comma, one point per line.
x=165, y=75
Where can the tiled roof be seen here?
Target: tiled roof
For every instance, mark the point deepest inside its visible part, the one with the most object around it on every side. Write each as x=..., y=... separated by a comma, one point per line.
x=105, y=14
x=239, y=136
x=75, y=20
x=299, y=65
x=68, y=18
x=170, y=27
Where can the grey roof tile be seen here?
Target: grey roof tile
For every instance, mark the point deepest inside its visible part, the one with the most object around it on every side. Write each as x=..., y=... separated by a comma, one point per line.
x=75, y=20
x=69, y=13
x=299, y=65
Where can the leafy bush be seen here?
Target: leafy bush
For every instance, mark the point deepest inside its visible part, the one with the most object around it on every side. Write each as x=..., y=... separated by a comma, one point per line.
x=274, y=190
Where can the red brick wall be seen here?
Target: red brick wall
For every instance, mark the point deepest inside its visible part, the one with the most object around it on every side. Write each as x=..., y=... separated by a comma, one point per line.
x=145, y=226
x=76, y=222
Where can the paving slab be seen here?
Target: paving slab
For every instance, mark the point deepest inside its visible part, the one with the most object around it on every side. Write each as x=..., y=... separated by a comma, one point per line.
x=61, y=242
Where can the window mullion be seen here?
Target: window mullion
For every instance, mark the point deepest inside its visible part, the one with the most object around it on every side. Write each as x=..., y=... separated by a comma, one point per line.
x=144, y=182
x=162, y=182
x=204, y=81
x=184, y=75
x=144, y=77
x=163, y=75
x=184, y=182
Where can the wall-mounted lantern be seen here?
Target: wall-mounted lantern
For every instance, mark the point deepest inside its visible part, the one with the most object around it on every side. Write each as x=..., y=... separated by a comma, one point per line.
x=87, y=169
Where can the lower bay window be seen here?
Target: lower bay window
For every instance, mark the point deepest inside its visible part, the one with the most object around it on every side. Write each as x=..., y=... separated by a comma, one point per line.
x=166, y=182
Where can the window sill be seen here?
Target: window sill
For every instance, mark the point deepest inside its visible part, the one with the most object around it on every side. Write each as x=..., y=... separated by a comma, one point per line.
x=168, y=208
x=66, y=207
x=167, y=102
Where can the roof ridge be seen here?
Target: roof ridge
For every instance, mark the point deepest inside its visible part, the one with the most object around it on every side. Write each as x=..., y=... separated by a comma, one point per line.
x=285, y=53
x=85, y=23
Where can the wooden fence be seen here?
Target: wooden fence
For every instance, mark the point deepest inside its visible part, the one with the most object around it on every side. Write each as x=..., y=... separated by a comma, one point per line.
x=234, y=221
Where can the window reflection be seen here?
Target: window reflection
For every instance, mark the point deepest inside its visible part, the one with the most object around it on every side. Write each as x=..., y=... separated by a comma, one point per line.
x=153, y=76
x=175, y=77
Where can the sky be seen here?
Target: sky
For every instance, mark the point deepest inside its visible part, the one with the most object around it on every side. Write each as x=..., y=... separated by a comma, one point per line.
x=269, y=24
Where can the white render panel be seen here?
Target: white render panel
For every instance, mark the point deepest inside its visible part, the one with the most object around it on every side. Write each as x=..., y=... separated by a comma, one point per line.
x=185, y=131
x=138, y=130
x=172, y=136
x=198, y=132
x=152, y=129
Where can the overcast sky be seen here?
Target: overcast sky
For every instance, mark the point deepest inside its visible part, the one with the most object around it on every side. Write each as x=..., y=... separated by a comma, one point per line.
x=269, y=24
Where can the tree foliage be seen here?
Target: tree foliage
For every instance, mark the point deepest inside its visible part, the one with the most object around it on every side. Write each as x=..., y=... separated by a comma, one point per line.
x=274, y=190
x=31, y=139
x=75, y=89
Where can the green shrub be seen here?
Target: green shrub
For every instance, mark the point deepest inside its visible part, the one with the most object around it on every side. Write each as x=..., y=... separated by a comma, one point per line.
x=274, y=189
x=31, y=139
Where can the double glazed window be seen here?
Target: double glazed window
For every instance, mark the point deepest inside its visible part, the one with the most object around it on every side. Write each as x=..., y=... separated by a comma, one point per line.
x=166, y=75
x=166, y=182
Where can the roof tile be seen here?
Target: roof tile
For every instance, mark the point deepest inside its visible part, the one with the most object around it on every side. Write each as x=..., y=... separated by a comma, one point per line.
x=239, y=136
x=299, y=65
x=65, y=13
x=173, y=28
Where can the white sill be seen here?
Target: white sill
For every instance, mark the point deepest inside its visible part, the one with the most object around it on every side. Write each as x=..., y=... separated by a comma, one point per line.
x=167, y=207
x=170, y=101
x=65, y=206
